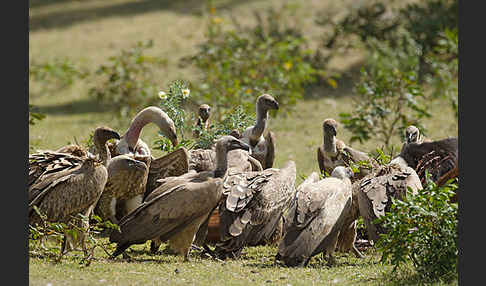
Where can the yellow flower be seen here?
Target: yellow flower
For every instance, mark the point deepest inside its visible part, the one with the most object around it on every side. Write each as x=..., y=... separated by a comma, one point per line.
x=162, y=95
x=217, y=20
x=185, y=93
x=287, y=65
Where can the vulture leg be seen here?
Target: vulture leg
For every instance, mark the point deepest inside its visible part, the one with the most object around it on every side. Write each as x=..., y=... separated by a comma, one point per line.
x=356, y=252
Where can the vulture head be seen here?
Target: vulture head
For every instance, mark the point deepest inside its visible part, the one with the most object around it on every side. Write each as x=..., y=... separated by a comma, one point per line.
x=266, y=102
x=329, y=127
x=124, y=164
x=204, y=112
x=103, y=134
x=342, y=172
x=155, y=115
x=412, y=134
x=228, y=143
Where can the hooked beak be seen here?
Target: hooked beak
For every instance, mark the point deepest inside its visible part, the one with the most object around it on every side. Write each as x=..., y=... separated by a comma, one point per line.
x=114, y=134
x=237, y=144
x=276, y=105
x=138, y=165
x=410, y=138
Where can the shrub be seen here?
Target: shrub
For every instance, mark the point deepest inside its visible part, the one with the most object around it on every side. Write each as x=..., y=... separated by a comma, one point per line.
x=444, y=67
x=172, y=102
x=234, y=119
x=239, y=64
x=39, y=233
x=422, y=229
x=389, y=94
x=381, y=20
x=128, y=82
x=55, y=75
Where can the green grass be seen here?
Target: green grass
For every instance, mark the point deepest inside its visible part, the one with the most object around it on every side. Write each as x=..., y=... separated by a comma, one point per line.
x=255, y=267
x=89, y=32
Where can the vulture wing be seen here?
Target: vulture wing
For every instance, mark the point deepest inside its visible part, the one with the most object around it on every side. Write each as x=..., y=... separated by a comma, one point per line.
x=252, y=211
x=375, y=191
x=168, y=213
x=316, y=219
x=175, y=163
x=47, y=162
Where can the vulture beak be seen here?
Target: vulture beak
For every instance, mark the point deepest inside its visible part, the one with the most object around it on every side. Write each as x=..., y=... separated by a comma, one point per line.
x=114, y=134
x=237, y=144
x=174, y=141
x=137, y=165
x=333, y=131
x=276, y=105
x=410, y=138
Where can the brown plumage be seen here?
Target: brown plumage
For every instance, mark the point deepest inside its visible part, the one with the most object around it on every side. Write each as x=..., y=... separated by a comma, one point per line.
x=252, y=207
x=334, y=152
x=263, y=147
x=437, y=157
x=126, y=190
x=175, y=210
x=375, y=190
x=204, y=111
x=174, y=164
x=316, y=218
x=64, y=193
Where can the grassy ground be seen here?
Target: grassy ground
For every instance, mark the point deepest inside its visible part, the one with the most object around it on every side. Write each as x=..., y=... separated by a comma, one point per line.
x=255, y=267
x=89, y=32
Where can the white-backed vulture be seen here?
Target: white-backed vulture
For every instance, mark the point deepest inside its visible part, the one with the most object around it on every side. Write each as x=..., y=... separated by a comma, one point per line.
x=202, y=122
x=63, y=192
x=374, y=193
x=316, y=218
x=176, y=209
x=439, y=158
x=334, y=152
x=253, y=206
x=124, y=195
x=262, y=146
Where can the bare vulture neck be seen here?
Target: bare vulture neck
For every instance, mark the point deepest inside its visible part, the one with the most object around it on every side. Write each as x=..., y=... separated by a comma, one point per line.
x=330, y=144
x=261, y=123
x=133, y=133
x=221, y=162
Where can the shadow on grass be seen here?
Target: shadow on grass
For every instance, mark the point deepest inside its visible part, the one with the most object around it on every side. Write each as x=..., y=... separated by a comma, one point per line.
x=66, y=18
x=85, y=105
x=345, y=84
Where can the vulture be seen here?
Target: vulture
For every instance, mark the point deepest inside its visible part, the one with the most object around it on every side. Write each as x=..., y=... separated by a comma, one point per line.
x=64, y=190
x=439, y=158
x=203, y=119
x=334, y=152
x=316, y=218
x=253, y=206
x=263, y=147
x=412, y=135
x=125, y=190
x=175, y=210
x=374, y=192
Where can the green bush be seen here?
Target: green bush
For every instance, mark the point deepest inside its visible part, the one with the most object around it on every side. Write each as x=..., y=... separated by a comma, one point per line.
x=389, y=94
x=422, y=229
x=234, y=119
x=444, y=67
x=239, y=64
x=54, y=75
x=381, y=20
x=128, y=82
